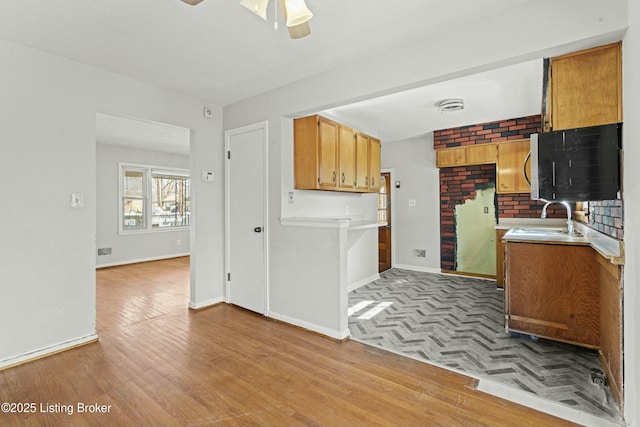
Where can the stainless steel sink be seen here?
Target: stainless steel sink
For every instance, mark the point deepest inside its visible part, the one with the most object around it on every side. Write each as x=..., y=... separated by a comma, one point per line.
x=545, y=232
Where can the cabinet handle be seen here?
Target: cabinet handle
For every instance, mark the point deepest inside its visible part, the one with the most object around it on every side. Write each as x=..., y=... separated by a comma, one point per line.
x=343, y=177
x=366, y=180
x=334, y=176
x=373, y=181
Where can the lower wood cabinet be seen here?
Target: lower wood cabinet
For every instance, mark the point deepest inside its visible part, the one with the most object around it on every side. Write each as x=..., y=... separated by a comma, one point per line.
x=567, y=293
x=552, y=291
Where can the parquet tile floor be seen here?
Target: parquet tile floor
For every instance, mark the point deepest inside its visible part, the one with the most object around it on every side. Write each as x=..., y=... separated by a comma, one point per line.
x=457, y=322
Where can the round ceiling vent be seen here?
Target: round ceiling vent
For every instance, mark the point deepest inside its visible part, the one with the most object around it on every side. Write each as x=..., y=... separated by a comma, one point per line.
x=451, y=104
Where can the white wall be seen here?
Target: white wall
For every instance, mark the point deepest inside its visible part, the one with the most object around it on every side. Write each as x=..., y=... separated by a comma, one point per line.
x=48, y=151
x=415, y=227
x=127, y=248
x=631, y=196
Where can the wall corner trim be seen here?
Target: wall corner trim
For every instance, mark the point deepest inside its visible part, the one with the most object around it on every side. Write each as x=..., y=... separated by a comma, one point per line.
x=331, y=333
x=365, y=281
x=47, y=351
x=197, y=305
x=418, y=268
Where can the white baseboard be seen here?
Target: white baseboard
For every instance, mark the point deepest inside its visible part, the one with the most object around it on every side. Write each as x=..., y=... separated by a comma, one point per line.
x=47, y=351
x=365, y=281
x=206, y=303
x=437, y=271
x=418, y=268
x=338, y=335
x=135, y=261
x=543, y=405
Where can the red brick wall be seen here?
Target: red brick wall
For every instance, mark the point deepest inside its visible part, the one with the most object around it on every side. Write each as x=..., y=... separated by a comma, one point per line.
x=460, y=183
x=505, y=130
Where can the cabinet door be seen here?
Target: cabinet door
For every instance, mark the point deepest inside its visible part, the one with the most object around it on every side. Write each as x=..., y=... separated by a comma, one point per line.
x=328, y=158
x=586, y=88
x=552, y=292
x=374, y=165
x=481, y=154
x=448, y=157
x=347, y=161
x=362, y=162
x=511, y=157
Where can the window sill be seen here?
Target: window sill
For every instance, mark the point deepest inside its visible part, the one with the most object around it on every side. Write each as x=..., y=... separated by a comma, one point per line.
x=153, y=230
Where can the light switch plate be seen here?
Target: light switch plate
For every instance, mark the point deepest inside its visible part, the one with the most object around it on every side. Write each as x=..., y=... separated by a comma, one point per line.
x=207, y=176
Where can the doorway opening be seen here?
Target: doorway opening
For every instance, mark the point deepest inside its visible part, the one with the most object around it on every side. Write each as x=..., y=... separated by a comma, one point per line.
x=143, y=202
x=384, y=219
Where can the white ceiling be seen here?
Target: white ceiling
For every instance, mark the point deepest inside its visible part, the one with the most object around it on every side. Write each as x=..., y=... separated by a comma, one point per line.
x=221, y=52
x=505, y=93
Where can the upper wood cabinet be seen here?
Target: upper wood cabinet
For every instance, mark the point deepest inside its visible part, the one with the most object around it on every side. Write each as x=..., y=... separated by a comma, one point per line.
x=509, y=171
x=316, y=160
x=367, y=163
x=347, y=158
x=374, y=165
x=583, y=88
x=331, y=156
x=478, y=154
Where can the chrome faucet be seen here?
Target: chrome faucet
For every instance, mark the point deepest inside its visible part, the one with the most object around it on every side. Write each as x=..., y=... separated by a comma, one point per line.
x=567, y=207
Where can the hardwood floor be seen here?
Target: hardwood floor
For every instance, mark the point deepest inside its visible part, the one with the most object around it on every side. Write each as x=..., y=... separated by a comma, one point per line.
x=159, y=363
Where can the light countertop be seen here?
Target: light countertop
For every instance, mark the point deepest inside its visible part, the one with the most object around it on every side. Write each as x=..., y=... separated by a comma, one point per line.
x=610, y=248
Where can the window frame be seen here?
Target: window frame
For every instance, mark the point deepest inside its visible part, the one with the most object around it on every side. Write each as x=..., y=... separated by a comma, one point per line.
x=148, y=172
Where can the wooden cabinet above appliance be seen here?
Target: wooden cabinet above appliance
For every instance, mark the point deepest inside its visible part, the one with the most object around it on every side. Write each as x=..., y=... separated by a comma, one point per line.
x=478, y=154
x=583, y=88
x=334, y=157
x=510, y=170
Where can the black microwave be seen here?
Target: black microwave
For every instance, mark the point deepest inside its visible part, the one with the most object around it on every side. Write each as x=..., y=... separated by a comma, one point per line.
x=577, y=164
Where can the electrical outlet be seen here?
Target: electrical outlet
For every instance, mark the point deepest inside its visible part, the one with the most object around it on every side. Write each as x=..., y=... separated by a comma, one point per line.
x=290, y=196
x=346, y=210
x=412, y=203
x=178, y=242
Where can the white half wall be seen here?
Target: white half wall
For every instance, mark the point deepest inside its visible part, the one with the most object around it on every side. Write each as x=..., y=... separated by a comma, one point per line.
x=126, y=248
x=48, y=151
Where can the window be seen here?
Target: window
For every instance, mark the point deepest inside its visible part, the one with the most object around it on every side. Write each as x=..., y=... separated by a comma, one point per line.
x=153, y=198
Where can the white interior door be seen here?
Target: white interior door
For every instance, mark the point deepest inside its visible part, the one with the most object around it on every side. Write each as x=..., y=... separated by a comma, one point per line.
x=246, y=237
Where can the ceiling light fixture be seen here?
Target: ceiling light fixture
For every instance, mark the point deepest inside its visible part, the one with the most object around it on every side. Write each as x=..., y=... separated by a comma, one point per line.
x=450, y=104
x=297, y=12
x=259, y=7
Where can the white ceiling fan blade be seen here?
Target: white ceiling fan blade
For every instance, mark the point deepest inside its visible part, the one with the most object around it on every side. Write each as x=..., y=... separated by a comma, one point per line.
x=259, y=7
x=192, y=2
x=297, y=31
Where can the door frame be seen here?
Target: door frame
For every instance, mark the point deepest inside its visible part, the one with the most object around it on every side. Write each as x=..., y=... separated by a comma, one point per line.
x=228, y=134
x=392, y=185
